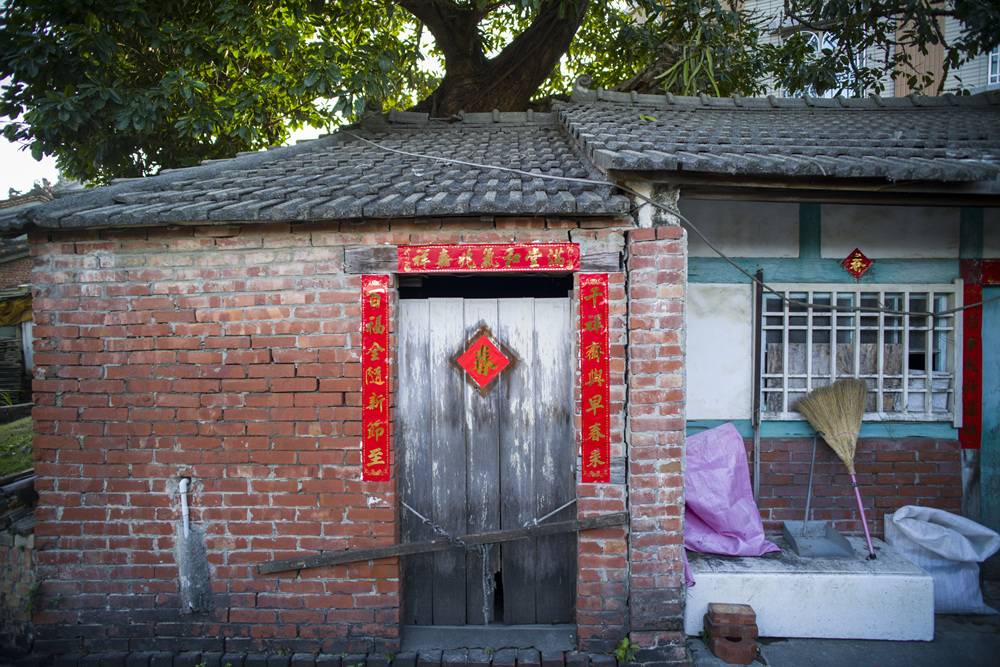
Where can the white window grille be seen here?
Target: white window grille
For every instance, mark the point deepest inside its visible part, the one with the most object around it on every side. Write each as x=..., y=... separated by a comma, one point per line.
x=910, y=361
x=994, y=77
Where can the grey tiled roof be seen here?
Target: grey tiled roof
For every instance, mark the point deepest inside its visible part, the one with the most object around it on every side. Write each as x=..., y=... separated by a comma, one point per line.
x=352, y=175
x=945, y=139
x=385, y=168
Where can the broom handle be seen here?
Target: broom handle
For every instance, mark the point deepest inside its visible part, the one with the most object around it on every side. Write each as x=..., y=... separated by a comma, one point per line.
x=809, y=493
x=864, y=522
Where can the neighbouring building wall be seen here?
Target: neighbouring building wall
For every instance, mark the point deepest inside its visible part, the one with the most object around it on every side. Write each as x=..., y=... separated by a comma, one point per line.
x=900, y=461
x=777, y=28
x=974, y=75
x=229, y=355
x=16, y=272
x=18, y=595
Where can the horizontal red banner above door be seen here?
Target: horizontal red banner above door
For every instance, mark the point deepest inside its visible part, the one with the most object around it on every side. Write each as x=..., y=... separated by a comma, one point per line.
x=488, y=258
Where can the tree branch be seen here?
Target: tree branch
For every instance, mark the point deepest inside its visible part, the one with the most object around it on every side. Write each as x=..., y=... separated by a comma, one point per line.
x=649, y=78
x=454, y=29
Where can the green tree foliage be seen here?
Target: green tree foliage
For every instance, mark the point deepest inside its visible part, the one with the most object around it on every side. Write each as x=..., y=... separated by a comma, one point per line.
x=126, y=87
x=121, y=87
x=892, y=33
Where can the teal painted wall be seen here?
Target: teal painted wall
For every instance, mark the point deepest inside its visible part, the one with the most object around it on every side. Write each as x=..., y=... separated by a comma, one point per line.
x=802, y=429
x=810, y=267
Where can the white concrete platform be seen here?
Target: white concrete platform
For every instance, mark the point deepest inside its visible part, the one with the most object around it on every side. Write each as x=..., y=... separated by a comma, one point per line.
x=832, y=598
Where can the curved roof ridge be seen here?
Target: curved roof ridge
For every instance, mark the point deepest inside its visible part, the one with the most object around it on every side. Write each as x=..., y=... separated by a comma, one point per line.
x=583, y=94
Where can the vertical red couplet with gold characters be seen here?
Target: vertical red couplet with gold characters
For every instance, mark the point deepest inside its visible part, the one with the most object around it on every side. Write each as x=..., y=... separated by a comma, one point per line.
x=595, y=389
x=375, y=378
x=971, y=433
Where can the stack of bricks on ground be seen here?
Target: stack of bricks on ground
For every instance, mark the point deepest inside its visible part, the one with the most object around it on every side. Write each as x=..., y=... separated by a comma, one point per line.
x=732, y=632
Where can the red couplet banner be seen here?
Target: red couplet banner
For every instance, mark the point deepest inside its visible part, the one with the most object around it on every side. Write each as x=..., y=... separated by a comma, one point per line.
x=488, y=258
x=595, y=389
x=970, y=435
x=375, y=378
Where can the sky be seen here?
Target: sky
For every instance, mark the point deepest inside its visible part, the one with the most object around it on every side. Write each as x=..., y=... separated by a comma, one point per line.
x=19, y=170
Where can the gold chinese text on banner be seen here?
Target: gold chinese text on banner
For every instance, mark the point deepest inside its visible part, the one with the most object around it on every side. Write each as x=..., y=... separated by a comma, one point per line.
x=375, y=378
x=484, y=360
x=488, y=258
x=595, y=390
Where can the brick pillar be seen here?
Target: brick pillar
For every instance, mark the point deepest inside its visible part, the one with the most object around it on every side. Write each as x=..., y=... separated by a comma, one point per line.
x=602, y=584
x=655, y=432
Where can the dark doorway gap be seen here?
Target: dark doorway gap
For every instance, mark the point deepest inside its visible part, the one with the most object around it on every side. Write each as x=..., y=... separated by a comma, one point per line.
x=498, y=597
x=490, y=286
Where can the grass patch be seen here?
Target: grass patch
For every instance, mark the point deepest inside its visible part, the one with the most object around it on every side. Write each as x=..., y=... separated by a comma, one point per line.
x=16, y=439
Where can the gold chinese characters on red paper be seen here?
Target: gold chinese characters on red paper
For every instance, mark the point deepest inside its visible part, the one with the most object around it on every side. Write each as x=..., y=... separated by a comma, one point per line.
x=857, y=264
x=488, y=258
x=482, y=360
x=595, y=389
x=375, y=378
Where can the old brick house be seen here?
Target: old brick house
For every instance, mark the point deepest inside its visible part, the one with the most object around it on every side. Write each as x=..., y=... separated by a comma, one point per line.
x=213, y=337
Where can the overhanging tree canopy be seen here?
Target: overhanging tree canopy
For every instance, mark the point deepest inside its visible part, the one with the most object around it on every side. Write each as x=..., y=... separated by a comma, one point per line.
x=124, y=87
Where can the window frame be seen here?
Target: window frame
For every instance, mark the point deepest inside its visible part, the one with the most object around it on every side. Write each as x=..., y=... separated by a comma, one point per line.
x=822, y=39
x=938, y=348
x=993, y=67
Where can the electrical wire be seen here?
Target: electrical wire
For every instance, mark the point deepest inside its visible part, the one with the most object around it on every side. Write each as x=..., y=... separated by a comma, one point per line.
x=687, y=223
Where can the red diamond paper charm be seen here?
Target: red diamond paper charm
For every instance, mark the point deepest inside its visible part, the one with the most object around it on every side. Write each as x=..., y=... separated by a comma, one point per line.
x=483, y=360
x=856, y=264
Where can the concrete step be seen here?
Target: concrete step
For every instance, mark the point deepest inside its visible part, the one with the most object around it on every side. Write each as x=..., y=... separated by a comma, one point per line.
x=832, y=598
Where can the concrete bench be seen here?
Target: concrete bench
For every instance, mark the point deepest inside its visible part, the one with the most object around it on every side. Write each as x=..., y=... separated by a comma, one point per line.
x=833, y=598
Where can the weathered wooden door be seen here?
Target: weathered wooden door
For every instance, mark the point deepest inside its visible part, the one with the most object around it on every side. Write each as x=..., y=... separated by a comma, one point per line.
x=473, y=463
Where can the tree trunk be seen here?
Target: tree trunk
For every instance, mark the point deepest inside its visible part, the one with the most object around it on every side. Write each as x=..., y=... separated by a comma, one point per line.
x=649, y=79
x=507, y=82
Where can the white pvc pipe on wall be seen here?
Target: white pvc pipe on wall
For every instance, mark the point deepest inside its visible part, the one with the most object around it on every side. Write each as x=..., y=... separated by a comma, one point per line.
x=185, y=513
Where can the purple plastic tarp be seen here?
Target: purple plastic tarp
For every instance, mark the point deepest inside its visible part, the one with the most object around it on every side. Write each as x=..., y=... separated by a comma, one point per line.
x=720, y=516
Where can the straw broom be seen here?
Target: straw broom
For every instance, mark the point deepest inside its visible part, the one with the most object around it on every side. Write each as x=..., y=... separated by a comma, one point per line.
x=836, y=411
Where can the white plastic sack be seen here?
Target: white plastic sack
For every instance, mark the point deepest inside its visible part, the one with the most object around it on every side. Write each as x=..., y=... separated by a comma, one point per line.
x=720, y=515
x=949, y=548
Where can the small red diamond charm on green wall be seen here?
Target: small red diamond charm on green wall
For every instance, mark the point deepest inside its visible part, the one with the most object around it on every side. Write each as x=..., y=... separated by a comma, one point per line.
x=856, y=264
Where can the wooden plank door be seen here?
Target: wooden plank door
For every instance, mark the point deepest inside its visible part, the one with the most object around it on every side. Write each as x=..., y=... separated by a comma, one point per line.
x=474, y=463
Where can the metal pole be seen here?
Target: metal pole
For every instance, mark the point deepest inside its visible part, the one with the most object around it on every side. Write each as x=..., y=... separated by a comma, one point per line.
x=758, y=302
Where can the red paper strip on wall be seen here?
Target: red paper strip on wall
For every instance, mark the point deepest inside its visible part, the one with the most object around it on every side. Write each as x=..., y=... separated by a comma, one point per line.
x=488, y=258
x=970, y=435
x=375, y=378
x=991, y=272
x=595, y=387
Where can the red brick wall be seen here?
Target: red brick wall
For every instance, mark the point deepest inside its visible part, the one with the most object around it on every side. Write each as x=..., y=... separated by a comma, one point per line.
x=229, y=355
x=602, y=588
x=14, y=273
x=891, y=474
x=656, y=287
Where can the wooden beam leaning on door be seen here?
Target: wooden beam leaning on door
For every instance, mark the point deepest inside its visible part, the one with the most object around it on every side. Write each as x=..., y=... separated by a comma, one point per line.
x=492, y=537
